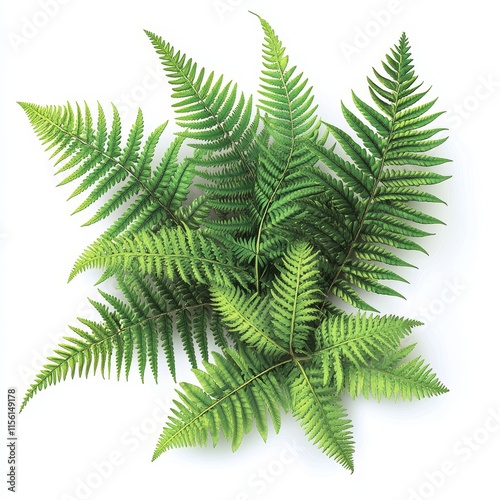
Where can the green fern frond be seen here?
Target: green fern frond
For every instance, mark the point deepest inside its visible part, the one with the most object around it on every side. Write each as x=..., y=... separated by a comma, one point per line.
x=290, y=121
x=356, y=340
x=390, y=379
x=138, y=326
x=176, y=253
x=286, y=99
x=178, y=305
x=321, y=415
x=195, y=214
x=296, y=297
x=236, y=390
x=247, y=318
x=97, y=159
x=220, y=121
x=378, y=189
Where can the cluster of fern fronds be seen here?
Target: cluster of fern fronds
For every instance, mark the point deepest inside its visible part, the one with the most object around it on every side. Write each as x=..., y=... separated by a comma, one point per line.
x=297, y=222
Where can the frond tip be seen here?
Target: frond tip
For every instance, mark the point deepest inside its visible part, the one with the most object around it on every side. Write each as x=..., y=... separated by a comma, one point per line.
x=390, y=379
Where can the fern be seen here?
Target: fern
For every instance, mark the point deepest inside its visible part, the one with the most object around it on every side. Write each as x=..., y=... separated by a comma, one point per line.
x=374, y=211
x=100, y=162
x=139, y=324
x=322, y=415
x=170, y=253
x=235, y=391
x=390, y=378
x=358, y=339
x=219, y=120
x=297, y=217
x=290, y=120
x=313, y=375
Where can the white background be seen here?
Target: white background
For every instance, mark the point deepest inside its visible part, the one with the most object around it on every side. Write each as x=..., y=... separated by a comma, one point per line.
x=94, y=438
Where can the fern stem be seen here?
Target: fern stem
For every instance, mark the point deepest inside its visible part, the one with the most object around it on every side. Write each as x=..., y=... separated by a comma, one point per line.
x=285, y=171
x=295, y=299
x=264, y=216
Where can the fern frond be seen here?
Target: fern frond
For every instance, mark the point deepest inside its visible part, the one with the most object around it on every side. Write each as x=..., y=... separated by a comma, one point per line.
x=175, y=253
x=96, y=158
x=194, y=215
x=356, y=340
x=180, y=306
x=247, y=318
x=236, y=390
x=378, y=189
x=138, y=326
x=285, y=97
x=290, y=121
x=296, y=297
x=220, y=120
x=390, y=379
x=321, y=415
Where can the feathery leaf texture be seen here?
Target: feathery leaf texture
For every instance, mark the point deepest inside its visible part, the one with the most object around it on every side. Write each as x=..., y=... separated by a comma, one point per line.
x=295, y=297
x=140, y=324
x=296, y=222
x=342, y=341
x=173, y=253
x=236, y=390
x=97, y=159
x=389, y=378
x=322, y=416
x=373, y=207
x=219, y=120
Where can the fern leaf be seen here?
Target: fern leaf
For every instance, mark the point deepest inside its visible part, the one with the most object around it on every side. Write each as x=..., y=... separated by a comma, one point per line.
x=172, y=253
x=389, y=379
x=246, y=317
x=218, y=119
x=321, y=415
x=102, y=165
x=285, y=97
x=136, y=326
x=374, y=207
x=356, y=339
x=235, y=392
x=296, y=298
x=290, y=121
